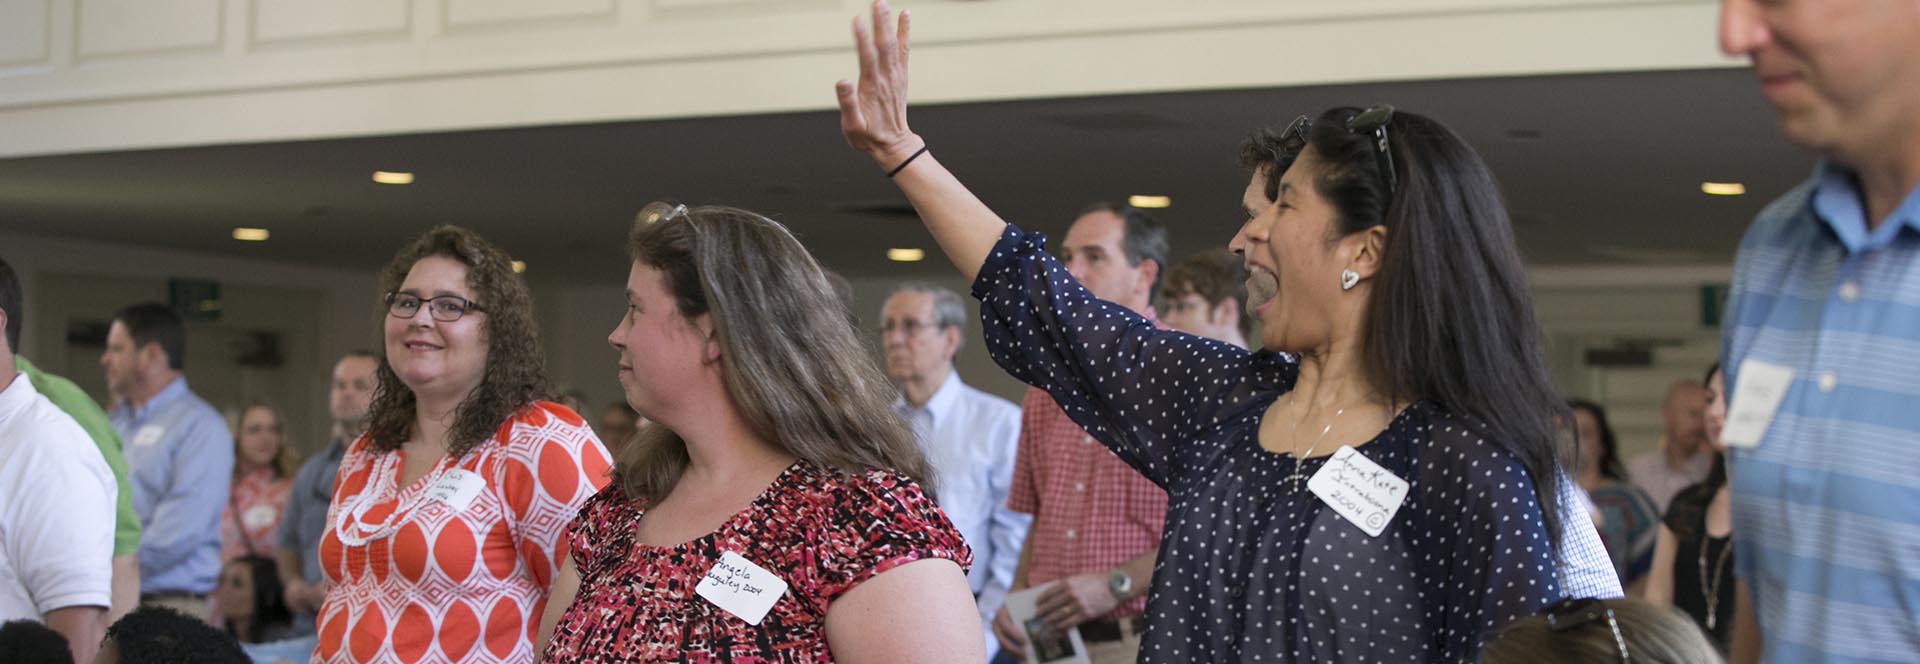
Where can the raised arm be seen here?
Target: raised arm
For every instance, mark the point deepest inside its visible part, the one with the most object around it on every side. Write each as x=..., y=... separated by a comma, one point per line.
x=873, y=118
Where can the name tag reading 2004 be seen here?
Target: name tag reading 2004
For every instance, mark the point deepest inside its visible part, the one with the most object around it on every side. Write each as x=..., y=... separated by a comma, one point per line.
x=1360, y=490
x=741, y=587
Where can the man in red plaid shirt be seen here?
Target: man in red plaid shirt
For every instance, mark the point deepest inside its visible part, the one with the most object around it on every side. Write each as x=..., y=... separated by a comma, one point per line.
x=1097, y=521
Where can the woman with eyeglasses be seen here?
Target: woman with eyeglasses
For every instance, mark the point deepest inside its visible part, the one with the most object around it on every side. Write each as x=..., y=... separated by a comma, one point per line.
x=449, y=516
x=1380, y=483
x=772, y=510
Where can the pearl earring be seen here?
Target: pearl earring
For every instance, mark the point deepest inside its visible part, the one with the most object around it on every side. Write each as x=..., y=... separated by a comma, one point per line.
x=1348, y=278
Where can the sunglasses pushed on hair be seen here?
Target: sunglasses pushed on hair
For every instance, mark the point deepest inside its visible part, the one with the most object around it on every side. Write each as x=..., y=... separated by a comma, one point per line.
x=1372, y=122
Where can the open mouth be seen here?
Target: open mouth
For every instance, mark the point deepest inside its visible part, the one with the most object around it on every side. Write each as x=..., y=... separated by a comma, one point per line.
x=1262, y=287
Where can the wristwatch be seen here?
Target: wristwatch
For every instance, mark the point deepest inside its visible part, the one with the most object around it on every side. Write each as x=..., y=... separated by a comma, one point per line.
x=1119, y=584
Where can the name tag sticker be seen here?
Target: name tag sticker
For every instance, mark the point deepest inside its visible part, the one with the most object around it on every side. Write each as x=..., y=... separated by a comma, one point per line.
x=1756, y=395
x=741, y=588
x=457, y=488
x=148, y=435
x=1360, y=490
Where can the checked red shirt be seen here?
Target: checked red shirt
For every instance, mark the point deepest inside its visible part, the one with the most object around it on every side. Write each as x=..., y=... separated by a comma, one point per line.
x=1091, y=511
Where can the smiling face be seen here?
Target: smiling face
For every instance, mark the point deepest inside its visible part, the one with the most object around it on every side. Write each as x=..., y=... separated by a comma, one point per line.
x=661, y=353
x=1840, y=74
x=438, y=359
x=259, y=437
x=1293, y=284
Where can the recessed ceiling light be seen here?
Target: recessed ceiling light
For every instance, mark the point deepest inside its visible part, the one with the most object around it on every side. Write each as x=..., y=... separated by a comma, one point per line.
x=393, y=177
x=1150, y=202
x=250, y=234
x=906, y=254
x=518, y=266
x=1723, y=188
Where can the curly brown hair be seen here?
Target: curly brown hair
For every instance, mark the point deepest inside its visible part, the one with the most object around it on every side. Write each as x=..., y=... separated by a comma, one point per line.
x=516, y=374
x=793, y=362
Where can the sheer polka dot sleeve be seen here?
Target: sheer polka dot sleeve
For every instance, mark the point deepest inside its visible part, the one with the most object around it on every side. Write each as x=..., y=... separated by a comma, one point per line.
x=1498, y=564
x=881, y=522
x=1145, y=392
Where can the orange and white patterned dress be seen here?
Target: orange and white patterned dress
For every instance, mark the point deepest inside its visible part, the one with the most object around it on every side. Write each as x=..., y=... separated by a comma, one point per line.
x=456, y=566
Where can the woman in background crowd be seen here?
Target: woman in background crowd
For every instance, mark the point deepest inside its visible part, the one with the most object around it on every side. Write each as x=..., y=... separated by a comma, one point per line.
x=1626, y=518
x=262, y=480
x=251, y=607
x=1693, y=559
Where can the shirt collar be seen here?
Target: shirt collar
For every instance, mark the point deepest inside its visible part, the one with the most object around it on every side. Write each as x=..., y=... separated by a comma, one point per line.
x=173, y=391
x=938, y=405
x=1837, y=202
x=17, y=396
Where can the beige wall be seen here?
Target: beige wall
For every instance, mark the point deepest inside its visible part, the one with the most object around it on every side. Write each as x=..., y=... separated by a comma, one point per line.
x=199, y=72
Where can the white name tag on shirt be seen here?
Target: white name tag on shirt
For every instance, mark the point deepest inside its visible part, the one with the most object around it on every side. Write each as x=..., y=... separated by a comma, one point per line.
x=1359, y=489
x=741, y=587
x=148, y=435
x=457, y=488
x=1756, y=395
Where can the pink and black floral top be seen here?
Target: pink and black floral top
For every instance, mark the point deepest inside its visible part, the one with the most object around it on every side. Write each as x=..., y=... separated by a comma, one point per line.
x=821, y=531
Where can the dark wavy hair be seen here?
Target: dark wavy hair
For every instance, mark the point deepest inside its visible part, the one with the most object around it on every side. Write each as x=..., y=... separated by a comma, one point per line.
x=1610, y=465
x=793, y=363
x=515, y=375
x=1450, y=317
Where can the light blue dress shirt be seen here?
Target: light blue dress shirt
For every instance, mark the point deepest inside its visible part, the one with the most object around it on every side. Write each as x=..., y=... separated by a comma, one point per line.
x=969, y=438
x=1826, y=508
x=180, y=465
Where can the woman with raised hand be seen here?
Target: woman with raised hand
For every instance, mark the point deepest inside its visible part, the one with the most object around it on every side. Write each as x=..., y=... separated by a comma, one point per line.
x=449, y=516
x=771, y=510
x=1379, y=483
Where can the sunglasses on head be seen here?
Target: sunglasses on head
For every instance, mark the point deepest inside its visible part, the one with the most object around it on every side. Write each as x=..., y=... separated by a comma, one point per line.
x=1576, y=612
x=1372, y=122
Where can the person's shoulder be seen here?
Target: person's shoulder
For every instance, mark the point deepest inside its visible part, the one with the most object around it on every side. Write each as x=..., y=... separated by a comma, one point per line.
x=988, y=405
x=1455, y=441
x=1785, y=219
x=43, y=433
x=541, y=422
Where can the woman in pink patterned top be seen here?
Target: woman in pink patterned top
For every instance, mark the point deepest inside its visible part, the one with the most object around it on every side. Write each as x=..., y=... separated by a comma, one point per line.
x=772, y=509
x=262, y=481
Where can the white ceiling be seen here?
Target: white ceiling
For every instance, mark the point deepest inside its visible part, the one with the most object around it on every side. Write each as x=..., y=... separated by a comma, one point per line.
x=1598, y=169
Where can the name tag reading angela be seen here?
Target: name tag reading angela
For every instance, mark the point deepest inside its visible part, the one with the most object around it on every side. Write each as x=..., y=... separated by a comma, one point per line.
x=1359, y=490
x=741, y=588
x=457, y=488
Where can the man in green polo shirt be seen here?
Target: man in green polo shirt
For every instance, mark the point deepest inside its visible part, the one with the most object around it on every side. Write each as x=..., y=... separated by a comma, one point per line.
x=126, y=526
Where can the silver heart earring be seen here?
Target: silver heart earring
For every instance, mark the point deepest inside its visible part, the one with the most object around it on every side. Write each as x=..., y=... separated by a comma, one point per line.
x=1348, y=278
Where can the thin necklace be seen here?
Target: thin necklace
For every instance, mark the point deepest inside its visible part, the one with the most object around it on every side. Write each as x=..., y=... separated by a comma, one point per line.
x=1300, y=460
x=1712, y=590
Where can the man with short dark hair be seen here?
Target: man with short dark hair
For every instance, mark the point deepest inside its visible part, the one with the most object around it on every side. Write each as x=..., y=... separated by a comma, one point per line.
x=1203, y=295
x=56, y=504
x=968, y=435
x=349, y=397
x=1822, y=343
x=75, y=402
x=179, y=454
x=157, y=635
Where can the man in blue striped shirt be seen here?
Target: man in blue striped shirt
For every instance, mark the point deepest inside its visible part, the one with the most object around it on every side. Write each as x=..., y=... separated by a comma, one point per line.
x=179, y=457
x=1822, y=346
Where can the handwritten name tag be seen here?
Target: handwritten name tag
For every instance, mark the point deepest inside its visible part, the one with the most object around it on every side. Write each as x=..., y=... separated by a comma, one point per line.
x=741, y=588
x=457, y=488
x=1359, y=490
x=1756, y=395
x=148, y=435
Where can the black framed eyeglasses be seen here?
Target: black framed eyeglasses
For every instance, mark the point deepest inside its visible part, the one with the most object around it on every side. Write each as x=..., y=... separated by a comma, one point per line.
x=1576, y=612
x=1371, y=122
x=445, y=308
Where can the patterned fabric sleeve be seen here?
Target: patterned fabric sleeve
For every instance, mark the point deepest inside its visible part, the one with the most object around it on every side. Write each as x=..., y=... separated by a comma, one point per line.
x=1138, y=389
x=883, y=520
x=563, y=465
x=585, y=534
x=1498, y=561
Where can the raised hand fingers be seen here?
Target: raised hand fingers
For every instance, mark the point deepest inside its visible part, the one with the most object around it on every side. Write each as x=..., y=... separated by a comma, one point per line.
x=884, y=33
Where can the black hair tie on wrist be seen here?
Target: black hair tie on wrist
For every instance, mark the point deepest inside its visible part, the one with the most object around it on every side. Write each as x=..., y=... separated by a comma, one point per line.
x=903, y=165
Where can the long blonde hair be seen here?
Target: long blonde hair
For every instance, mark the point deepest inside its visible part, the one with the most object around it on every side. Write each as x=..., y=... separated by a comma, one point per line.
x=790, y=356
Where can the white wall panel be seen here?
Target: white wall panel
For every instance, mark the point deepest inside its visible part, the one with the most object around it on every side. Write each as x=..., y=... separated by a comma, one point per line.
x=142, y=27
x=290, y=20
